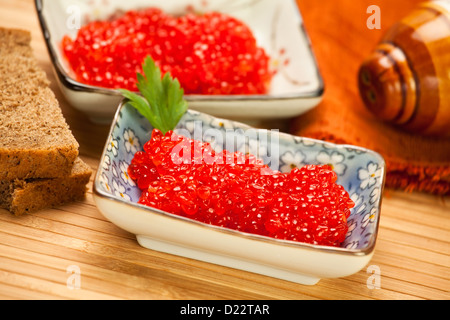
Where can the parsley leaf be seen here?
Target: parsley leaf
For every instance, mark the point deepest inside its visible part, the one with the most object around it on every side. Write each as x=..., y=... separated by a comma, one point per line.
x=161, y=100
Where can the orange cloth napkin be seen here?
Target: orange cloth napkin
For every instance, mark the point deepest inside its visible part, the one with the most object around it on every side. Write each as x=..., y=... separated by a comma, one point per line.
x=341, y=40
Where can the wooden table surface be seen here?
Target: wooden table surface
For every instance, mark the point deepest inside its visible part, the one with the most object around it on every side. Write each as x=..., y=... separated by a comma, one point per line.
x=412, y=251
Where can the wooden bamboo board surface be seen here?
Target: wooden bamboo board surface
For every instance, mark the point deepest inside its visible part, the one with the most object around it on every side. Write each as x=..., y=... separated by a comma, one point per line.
x=412, y=251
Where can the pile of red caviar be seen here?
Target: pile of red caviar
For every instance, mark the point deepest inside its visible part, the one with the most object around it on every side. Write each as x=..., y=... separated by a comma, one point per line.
x=232, y=190
x=212, y=53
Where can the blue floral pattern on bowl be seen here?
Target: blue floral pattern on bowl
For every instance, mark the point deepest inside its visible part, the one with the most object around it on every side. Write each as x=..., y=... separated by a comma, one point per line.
x=359, y=170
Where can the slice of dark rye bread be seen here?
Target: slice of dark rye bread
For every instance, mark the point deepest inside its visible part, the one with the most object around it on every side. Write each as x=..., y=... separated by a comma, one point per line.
x=26, y=196
x=39, y=163
x=35, y=140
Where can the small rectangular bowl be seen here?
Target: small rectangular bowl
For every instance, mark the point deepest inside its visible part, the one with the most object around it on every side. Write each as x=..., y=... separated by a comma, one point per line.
x=361, y=172
x=277, y=25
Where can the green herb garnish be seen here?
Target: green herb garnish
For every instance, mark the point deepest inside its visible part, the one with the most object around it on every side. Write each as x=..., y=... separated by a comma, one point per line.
x=162, y=101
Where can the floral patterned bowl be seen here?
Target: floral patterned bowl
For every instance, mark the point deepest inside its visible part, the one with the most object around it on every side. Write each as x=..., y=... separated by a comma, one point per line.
x=360, y=171
x=296, y=87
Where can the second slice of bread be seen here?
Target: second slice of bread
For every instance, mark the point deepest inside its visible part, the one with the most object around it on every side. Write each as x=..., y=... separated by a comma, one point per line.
x=26, y=196
x=35, y=140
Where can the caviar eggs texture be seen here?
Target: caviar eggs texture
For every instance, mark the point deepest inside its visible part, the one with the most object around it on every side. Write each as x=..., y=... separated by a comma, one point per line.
x=188, y=178
x=211, y=53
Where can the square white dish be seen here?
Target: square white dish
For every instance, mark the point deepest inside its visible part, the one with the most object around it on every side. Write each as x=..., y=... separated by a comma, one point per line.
x=277, y=26
x=360, y=171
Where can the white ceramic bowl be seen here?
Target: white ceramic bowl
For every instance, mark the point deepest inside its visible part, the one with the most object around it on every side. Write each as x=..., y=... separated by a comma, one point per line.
x=360, y=171
x=278, y=28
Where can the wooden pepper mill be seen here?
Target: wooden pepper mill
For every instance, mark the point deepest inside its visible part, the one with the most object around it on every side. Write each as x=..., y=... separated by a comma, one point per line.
x=406, y=79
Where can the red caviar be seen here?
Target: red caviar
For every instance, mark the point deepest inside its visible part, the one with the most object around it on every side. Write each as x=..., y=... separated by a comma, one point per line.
x=212, y=53
x=232, y=190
